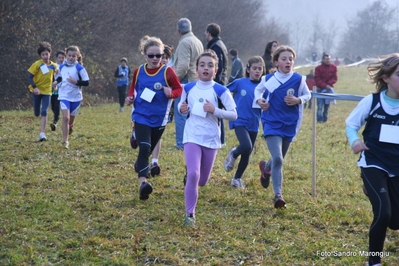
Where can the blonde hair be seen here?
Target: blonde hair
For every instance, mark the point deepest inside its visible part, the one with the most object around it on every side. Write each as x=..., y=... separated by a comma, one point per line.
x=280, y=49
x=148, y=41
x=74, y=48
x=382, y=68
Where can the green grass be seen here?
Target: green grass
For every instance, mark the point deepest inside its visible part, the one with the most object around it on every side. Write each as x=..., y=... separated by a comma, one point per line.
x=81, y=206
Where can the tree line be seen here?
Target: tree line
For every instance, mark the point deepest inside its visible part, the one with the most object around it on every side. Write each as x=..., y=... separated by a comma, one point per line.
x=108, y=30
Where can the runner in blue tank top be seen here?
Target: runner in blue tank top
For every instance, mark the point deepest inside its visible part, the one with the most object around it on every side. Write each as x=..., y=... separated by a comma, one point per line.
x=155, y=85
x=281, y=95
x=246, y=126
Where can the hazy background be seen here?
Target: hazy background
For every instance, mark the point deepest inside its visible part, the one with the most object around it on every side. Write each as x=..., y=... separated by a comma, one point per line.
x=301, y=13
x=108, y=30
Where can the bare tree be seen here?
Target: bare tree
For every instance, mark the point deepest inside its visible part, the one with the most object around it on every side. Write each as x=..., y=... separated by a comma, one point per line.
x=371, y=33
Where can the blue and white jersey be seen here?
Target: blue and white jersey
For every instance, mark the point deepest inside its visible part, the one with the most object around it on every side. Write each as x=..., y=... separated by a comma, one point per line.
x=125, y=79
x=205, y=130
x=280, y=119
x=248, y=117
x=156, y=112
x=66, y=90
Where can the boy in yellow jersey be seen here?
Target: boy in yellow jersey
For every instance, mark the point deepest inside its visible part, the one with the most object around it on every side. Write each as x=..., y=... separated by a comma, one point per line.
x=41, y=75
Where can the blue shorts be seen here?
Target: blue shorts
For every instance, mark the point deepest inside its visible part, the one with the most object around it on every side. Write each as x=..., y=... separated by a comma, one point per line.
x=42, y=101
x=73, y=107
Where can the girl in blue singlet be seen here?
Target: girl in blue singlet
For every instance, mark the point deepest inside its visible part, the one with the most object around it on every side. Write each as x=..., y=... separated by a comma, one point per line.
x=285, y=92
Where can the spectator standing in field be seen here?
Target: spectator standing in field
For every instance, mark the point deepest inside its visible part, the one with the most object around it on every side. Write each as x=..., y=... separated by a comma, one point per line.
x=122, y=75
x=187, y=52
x=215, y=43
x=325, y=78
x=379, y=151
x=237, y=70
x=246, y=126
x=73, y=76
x=267, y=56
x=337, y=62
x=310, y=82
x=202, y=133
x=286, y=92
x=153, y=87
x=41, y=76
x=55, y=103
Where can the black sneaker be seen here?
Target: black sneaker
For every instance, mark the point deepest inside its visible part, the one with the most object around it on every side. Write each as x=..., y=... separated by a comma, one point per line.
x=145, y=190
x=265, y=175
x=279, y=202
x=53, y=126
x=133, y=140
x=155, y=169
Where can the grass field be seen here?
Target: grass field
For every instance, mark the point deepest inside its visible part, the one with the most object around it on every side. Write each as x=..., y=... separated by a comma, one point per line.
x=81, y=206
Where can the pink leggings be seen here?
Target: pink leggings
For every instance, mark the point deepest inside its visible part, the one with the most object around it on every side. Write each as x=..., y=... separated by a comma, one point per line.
x=199, y=161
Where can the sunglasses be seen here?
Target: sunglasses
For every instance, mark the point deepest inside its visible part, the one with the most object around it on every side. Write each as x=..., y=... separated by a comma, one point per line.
x=154, y=55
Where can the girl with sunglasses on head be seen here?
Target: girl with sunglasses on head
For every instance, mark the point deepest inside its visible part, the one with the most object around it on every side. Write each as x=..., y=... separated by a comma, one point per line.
x=153, y=87
x=379, y=152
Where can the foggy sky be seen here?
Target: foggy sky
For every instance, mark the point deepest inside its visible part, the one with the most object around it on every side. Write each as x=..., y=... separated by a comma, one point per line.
x=302, y=12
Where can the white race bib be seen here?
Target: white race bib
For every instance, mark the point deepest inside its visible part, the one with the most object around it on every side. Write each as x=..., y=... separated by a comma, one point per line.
x=389, y=134
x=44, y=69
x=198, y=109
x=147, y=95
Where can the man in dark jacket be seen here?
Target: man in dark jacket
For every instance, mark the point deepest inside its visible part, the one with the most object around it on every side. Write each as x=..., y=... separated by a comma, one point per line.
x=325, y=78
x=216, y=44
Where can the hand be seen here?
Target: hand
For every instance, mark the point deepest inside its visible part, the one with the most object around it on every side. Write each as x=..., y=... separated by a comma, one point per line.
x=359, y=146
x=129, y=100
x=168, y=92
x=209, y=107
x=72, y=80
x=36, y=91
x=184, y=108
x=291, y=100
x=263, y=104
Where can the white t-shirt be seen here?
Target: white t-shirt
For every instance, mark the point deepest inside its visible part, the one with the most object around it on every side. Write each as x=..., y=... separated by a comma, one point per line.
x=205, y=131
x=68, y=91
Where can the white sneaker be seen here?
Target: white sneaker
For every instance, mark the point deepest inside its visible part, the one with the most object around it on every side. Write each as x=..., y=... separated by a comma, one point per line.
x=42, y=137
x=237, y=183
x=65, y=144
x=189, y=221
x=230, y=160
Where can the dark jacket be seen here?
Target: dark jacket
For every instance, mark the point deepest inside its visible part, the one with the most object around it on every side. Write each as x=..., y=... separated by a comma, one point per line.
x=220, y=49
x=325, y=75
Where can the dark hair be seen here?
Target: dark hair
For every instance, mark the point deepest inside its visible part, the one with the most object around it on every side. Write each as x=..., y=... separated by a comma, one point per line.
x=253, y=60
x=59, y=52
x=213, y=29
x=382, y=68
x=168, y=50
x=280, y=49
x=267, y=55
x=43, y=46
x=210, y=53
x=233, y=52
x=325, y=55
x=124, y=59
x=74, y=48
